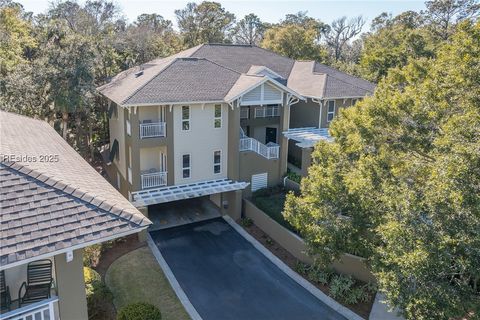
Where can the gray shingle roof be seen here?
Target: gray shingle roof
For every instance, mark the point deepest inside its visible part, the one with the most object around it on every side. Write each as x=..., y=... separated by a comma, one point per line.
x=179, y=78
x=340, y=84
x=242, y=57
x=46, y=205
x=184, y=80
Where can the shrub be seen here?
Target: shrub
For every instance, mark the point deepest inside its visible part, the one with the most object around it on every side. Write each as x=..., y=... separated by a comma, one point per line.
x=320, y=275
x=98, y=294
x=340, y=286
x=90, y=275
x=91, y=255
x=301, y=268
x=139, y=311
x=246, y=222
x=294, y=176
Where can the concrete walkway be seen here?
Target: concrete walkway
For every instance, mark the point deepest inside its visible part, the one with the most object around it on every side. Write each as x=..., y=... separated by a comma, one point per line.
x=380, y=310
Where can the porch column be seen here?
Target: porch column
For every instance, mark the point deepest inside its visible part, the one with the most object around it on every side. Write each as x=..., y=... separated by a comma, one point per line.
x=234, y=199
x=306, y=160
x=72, y=301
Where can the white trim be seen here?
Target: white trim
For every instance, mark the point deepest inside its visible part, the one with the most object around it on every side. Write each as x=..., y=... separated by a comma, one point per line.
x=317, y=293
x=185, y=191
x=331, y=112
x=189, y=168
x=72, y=248
x=219, y=164
x=217, y=118
x=170, y=103
x=185, y=120
x=308, y=137
x=25, y=311
x=276, y=83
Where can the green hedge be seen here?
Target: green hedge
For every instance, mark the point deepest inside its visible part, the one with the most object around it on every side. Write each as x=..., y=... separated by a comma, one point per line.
x=139, y=311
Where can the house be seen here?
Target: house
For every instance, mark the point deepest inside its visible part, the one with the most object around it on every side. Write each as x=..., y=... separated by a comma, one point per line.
x=327, y=91
x=53, y=204
x=210, y=121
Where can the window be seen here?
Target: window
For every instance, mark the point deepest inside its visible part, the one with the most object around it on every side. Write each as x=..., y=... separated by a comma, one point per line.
x=331, y=110
x=217, y=162
x=186, y=166
x=185, y=118
x=217, y=121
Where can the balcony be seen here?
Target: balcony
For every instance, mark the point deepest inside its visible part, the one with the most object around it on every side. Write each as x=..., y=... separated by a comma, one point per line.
x=150, y=129
x=270, y=151
x=42, y=310
x=267, y=111
x=153, y=179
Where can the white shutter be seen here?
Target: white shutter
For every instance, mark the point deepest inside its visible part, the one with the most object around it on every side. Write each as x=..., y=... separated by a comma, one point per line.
x=259, y=181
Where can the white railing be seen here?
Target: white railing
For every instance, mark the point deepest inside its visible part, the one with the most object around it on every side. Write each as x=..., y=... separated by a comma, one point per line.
x=153, y=129
x=267, y=111
x=129, y=128
x=244, y=113
x=156, y=179
x=250, y=144
x=42, y=310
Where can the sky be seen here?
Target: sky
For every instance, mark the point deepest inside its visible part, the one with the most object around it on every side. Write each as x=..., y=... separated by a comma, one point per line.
x=268, y=10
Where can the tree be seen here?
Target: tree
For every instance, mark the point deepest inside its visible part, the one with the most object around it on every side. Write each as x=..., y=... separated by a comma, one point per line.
x=444, y=14
x=392, y=45
x=249, y=30
x=341, y=32
x=400, y=184
x=207, y=22
x=15, y=37
x=294, y=41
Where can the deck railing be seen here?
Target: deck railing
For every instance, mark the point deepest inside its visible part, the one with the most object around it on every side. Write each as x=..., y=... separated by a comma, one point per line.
x=42, y=310
x=250, y=144
x=155, y=179
x=267, y=111
x=152, y=129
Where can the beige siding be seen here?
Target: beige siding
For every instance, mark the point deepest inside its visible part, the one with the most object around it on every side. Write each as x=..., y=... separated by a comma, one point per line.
x=117, y=131
x=150, y=157
x=200, y=142
x=304, y=114
x=72, y=302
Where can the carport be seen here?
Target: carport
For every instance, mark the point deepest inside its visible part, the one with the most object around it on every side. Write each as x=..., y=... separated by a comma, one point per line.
x=224, y=276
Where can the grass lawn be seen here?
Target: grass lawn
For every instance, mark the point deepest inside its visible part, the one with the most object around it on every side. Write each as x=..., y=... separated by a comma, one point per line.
x=137, y=277
x=272, y=205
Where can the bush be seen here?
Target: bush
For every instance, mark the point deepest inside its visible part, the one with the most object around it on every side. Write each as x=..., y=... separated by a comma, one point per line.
x=91, y=255
x=90, y=275
x=294, y=176
x=246, y=222
x=98, y=294
x=340, y=286
x=139, y=311
x=320, y=275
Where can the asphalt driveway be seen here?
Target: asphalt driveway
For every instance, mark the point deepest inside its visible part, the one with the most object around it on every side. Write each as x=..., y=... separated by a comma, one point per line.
x=225, y=277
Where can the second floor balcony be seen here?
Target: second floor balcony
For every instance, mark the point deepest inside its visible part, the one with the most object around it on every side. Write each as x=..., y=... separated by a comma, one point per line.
x=153, y=179
x=152, y=129
x=267, y=111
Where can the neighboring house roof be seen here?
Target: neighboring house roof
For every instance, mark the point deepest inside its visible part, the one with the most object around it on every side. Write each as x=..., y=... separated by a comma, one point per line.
x=51, y=198
x=206, y=73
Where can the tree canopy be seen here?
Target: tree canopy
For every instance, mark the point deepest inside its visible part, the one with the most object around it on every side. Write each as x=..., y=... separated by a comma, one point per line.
x=401, y=184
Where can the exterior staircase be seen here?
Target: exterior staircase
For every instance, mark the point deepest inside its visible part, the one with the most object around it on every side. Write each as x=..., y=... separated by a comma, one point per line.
x=251, y=144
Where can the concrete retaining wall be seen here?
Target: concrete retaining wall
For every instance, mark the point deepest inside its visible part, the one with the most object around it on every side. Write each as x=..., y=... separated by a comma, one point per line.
x=291, y=185
x=348, y=264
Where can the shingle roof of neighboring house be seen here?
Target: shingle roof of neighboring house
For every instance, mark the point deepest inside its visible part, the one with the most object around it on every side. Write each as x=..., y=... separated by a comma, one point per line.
x=180, y=78
x=47, y=204
x=184, y=80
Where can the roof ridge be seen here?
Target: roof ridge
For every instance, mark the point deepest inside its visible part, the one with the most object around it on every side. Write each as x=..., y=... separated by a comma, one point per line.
x=61, y=186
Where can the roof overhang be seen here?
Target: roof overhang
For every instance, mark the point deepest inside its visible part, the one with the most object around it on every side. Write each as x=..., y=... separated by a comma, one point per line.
x=308, y=137
x=185, y=191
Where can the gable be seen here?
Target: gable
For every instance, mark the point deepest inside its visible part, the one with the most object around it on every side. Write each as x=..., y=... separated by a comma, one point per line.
x=264, y=93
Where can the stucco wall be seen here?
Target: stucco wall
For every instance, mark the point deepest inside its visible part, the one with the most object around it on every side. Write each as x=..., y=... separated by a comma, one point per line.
x=150, y=157
x=348, y=264
x=304, y=114
x=200, y=142
x=252, y=163
x=117, y=131
x=72, y=302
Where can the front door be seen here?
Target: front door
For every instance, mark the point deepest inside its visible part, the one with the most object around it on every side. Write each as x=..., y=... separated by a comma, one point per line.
x=270, y=135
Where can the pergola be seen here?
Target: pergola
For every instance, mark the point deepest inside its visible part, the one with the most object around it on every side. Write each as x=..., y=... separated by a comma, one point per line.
x=307, y=137
x=186, y=191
